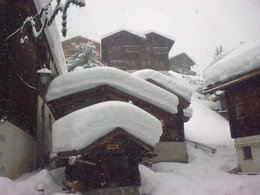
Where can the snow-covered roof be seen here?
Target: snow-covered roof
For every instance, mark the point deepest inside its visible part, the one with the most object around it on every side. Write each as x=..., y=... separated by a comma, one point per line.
x=175, y=86
x=124, y=29
x=83, y=127
x=241, y=60
x=159, y=33
x=73, y=82
x=53, y=38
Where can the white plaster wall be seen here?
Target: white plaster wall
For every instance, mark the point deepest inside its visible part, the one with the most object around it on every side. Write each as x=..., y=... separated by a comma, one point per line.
x=252, y=165
x=47, y=131
x=16, y=151
x=170, y=152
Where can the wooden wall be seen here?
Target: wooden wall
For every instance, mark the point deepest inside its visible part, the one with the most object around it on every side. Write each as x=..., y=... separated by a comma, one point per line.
x=126, y=51
x=172, y=123
x=19, y=64
x=245, y=95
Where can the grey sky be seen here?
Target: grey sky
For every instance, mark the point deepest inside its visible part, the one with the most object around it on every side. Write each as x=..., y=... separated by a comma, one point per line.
x=197, y=25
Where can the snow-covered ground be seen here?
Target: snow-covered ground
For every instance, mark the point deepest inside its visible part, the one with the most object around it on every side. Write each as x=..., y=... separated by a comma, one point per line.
x=205, y=174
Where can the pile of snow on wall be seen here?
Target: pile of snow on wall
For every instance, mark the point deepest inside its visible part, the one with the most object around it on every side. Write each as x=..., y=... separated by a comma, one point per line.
x=83, y=127
x=172, y=85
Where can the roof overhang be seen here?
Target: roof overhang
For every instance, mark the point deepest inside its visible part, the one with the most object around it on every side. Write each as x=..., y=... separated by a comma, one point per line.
x=222, y=86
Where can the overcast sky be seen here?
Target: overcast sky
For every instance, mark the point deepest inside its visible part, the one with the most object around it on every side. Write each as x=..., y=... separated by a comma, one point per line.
x=198, y=26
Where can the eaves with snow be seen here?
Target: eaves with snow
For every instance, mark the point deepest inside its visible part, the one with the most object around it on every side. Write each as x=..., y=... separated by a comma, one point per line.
x=83, y=127
x=174, y=86
x=53, y=38
x=239, y=61
x=78, y=81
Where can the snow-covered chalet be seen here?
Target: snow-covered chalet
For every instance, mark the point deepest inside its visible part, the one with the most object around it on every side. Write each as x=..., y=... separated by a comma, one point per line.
x=129, y=50
x=237, y=73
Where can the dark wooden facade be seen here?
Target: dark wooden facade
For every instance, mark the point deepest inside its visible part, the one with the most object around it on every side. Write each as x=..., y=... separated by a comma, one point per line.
x=242, y=95
x=182, y=63
x=19, y=64
x=128, y=51
x=112, y=161
x=69, y=46
x=67, y=104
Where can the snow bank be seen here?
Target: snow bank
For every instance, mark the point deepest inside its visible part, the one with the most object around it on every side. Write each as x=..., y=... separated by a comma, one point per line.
x=205, y=174
x=28, y=185
x=81, y=128
x=174, y=86
x=53, y=38
x=241, y=60
x=188, y=112
x=206, y=126
x=93, y=77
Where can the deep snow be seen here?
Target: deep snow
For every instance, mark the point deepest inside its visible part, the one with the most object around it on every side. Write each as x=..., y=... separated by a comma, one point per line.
x=205, y=174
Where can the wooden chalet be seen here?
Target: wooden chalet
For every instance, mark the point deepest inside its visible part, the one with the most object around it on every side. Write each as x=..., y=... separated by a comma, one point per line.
x=128, y=50
x=242, y=96
x=111, y=160
x=182, y=63
x=19, y=83
x=169, y=84
x=106, y=92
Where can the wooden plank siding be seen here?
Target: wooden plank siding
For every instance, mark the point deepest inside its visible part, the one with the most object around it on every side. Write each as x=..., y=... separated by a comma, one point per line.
x=114, y=167
x=20, y=63
x=172, y=123
x=127, y=51
x=247, y=94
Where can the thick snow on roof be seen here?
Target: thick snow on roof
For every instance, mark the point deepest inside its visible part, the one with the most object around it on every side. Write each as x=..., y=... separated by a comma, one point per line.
x=241, y=60
x=172, y=85
x=77, y=81
x=124, y=29
x=53, y=38
x=83, y=127
x=188, y=112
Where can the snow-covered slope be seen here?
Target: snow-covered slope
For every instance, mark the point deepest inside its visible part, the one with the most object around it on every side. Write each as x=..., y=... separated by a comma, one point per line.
x=206, y=126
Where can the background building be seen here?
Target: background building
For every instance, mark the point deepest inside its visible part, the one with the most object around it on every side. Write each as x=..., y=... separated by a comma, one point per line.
x=182, y=63
x=128, y=50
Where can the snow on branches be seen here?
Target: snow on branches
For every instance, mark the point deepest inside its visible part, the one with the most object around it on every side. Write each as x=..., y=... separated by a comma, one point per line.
x=85, y=57
x=46, y=15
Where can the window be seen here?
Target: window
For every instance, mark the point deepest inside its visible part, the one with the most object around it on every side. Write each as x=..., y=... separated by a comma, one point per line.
x=240, y=110
x=247, y=153
x=143, y=62
x=161, y=63
x=148, y=62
